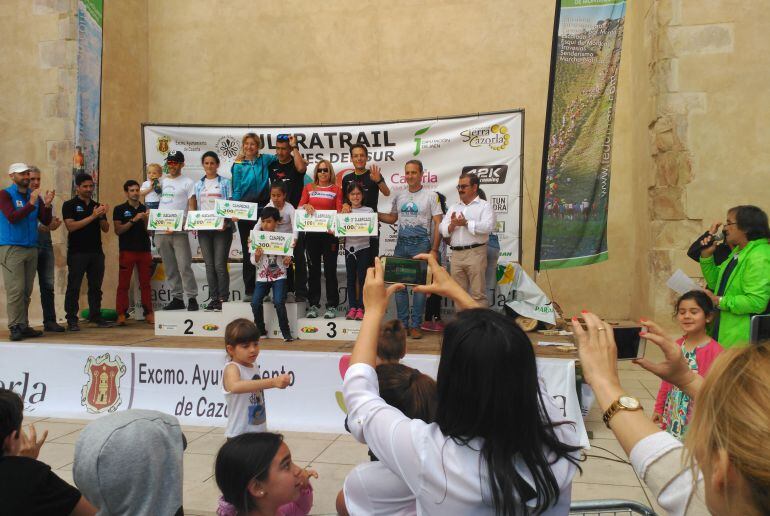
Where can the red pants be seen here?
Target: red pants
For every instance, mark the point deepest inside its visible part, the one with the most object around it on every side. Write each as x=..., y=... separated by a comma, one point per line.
x=143, y=262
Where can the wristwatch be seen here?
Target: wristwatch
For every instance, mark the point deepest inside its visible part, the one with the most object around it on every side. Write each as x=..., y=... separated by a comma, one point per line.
x=382, y=180
x=624, y=402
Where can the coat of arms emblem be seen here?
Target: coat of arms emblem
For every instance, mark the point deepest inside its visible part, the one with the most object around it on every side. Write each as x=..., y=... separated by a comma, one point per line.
x=101, y=393
x=163, y=142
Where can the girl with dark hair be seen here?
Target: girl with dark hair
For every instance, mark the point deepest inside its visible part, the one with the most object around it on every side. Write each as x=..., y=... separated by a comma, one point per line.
x=488, y=451
x=257, y=476
x=215, y=244
x=357, y=259
x=740, y=284
x=694, y=310
x=414, y=394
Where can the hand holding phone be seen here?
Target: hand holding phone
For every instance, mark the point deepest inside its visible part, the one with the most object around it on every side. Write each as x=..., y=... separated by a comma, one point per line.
x=406, y=270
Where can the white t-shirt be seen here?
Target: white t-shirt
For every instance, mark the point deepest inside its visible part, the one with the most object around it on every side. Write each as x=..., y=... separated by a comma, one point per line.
x=270, y=267
x=209, y=194
x=287, y=217
x=176, y=193
x=152, y=196
x=415, y=212
x=372, y=489
x=246, y=411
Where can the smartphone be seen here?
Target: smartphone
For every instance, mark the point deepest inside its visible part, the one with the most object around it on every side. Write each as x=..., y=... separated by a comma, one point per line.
x=406, y=270
x=629, y=342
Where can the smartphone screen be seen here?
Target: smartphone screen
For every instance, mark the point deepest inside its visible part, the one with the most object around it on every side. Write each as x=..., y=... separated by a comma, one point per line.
x=405, y=270
x=629, y=342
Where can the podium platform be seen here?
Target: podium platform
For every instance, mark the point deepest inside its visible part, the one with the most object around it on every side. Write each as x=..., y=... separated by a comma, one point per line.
x=181, y=323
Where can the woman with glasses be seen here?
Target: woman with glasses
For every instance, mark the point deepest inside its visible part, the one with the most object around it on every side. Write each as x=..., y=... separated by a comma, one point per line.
x=741, y=283
x=322, y=194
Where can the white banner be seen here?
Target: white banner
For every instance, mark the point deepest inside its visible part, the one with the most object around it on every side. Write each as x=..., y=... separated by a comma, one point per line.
x=488, y=145
x=71, y=381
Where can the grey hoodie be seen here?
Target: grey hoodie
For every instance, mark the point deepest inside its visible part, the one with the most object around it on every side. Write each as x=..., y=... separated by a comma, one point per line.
x=130, y=463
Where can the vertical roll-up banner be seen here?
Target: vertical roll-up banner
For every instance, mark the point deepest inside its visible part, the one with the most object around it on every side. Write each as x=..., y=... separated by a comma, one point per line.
x=577, y=149
x=89, y=92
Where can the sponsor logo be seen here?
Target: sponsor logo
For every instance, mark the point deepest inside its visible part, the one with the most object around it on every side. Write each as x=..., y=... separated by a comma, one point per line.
x=228, y=146
x=426, y=143
x=162, y=145
x=500, y=226
x=499, y=203
x=428, y=178
x=488, y=174
x=309, y=329
x=101, y=393
x=210, y=327
x=495, y=137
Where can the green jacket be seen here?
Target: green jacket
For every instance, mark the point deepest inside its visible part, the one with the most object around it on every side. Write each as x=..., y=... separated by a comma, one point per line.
x=747, y=291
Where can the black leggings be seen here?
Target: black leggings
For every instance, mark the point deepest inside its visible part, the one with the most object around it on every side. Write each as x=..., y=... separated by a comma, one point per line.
x=322, y=246
x=433, y=308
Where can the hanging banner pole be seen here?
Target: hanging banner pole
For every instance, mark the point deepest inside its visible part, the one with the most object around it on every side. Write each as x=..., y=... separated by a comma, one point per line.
x=577, y=147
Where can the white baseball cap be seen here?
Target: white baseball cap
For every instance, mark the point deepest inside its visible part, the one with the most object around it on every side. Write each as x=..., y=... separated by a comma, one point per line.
x=17, y=167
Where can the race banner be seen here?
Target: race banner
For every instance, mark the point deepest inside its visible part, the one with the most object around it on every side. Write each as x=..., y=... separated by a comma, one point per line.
x=272, y=242
x=237, y=209
x=85, y=382
x=165, y=220
x=204, y=220
x=488, y=145
x=356, y=224
x=89, y=91
x=577, y=150
x=320, y=221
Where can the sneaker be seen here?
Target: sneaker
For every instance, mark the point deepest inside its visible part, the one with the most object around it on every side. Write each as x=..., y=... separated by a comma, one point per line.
x=53, y=326
x=439, y=326
x=175, y=304
x=214, y=306
x=73, y=326
x=428, y=326
x=289, y=339
x=192, y=305
x=262, y=334
x=121, y=320
x=330, y=313
x=351, y=315
x=30, y=333
x=16, y=333
x=360, y=314
x=415, y=333
x=101, y=323
x=312, y=312
x=149, y=318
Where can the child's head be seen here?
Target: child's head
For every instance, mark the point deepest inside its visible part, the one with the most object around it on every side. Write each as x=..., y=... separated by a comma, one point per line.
x=278, y=194
x=409, y=390
x=694, y=309
x=11, y=414
x=154, y=171
x=355, y=194
x=242, y=341
x=255, y=470
x=270, y=218
x=391, y=346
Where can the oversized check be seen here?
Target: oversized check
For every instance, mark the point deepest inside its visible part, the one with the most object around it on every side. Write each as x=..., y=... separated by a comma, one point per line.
x=165, y=220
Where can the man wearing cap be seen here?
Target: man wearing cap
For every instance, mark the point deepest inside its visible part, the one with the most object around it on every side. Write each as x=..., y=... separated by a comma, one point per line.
x=468, y=224
x=21, y=209
x=174, y=247
x=85, y=220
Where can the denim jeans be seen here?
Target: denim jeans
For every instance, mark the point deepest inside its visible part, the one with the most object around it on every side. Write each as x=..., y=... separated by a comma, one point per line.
x=407, y=248
x=261, y=289
x=355, y=266
x=45, y=278
x=215, y=248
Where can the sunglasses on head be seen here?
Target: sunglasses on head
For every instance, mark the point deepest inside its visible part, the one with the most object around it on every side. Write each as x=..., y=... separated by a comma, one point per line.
x=282, y=138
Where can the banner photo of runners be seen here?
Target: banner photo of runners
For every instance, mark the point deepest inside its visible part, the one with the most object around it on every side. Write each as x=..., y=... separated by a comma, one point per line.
x=488, y=145
x=574, y=196
x=89, y=91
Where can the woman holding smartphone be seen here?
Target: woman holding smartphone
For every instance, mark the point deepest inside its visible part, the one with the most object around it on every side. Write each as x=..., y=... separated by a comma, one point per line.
x=322, y=194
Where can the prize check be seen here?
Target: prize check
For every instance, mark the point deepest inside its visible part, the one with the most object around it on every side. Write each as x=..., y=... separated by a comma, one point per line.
x=356, y=224
x=320, y=221
x=271, y=242
x=203, y=220
x=237, y=209
x=165, y=220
